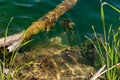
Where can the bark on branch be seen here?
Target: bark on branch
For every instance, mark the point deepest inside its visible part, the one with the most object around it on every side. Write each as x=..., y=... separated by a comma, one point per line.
x=46, y=22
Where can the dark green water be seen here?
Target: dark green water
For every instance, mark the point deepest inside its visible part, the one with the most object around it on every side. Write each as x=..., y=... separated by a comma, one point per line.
x=85, y=14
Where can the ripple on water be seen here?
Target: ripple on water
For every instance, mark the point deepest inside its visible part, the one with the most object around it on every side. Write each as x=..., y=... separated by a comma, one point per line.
x=24, y=17
x=25, y=3
x=2, y=0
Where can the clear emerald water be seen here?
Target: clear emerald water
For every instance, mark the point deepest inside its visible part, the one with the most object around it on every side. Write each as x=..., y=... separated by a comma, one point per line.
x=85, y=14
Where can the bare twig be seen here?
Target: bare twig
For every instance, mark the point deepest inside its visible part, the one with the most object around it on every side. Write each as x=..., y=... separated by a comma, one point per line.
x=101, y=72
x=94, y=77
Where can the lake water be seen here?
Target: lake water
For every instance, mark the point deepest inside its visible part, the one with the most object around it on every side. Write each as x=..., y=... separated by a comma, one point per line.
x=85, y=14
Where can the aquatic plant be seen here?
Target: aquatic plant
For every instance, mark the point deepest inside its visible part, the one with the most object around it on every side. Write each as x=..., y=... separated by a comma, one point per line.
x=108, y=48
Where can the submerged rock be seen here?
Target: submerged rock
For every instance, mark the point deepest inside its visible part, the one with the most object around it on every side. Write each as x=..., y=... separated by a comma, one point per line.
x=56, y=40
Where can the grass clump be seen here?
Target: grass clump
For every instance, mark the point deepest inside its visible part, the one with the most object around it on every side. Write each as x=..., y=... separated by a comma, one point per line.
x=7, y=60
x=108, y=48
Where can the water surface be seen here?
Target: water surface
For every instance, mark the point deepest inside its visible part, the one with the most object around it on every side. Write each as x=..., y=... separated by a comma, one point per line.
x=85, y=14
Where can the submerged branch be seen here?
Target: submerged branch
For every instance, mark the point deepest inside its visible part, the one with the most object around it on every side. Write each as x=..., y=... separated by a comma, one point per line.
x=46, y=22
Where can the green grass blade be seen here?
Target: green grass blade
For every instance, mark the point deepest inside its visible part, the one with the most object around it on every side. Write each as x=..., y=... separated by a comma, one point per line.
x=6, y=32
x=116, y=9
x=103, y=21
x=98, y=46
x=26, y=43
x=97, y=49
